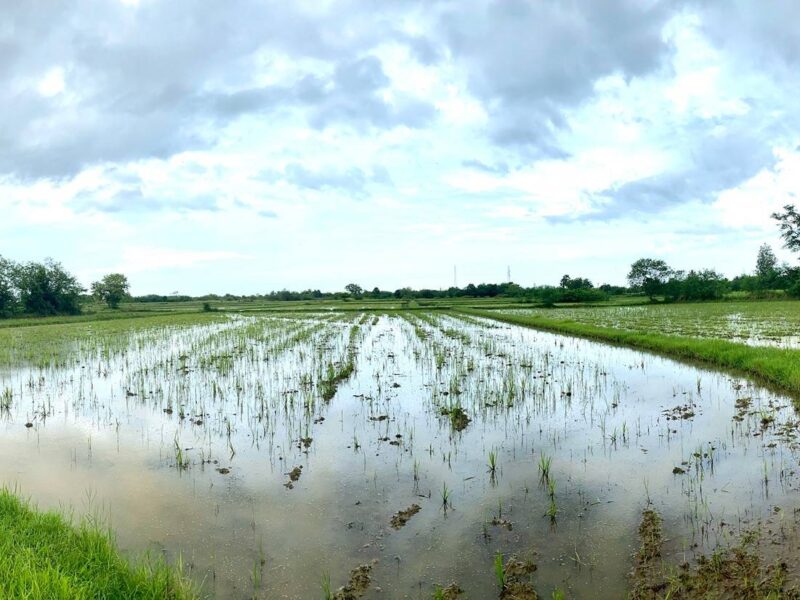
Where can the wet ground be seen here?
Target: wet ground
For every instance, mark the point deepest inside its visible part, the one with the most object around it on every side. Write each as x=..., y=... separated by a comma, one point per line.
x=214, y=442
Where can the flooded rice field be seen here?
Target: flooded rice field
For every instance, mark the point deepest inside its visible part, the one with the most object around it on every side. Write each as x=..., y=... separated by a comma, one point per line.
x=767, y=323
x=282, y=455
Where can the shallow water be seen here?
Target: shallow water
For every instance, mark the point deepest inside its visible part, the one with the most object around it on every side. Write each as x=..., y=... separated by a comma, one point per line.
x=615, y=423
x=753, y=323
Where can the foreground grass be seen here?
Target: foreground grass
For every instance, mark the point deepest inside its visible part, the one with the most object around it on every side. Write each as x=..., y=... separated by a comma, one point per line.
x=780, y=367
x=42, y=556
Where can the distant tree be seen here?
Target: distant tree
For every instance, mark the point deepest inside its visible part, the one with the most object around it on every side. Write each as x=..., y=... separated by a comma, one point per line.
x=703, y=285
x=354, y=289
x=8, y=298
x=111, y=289
x=650, y=275
x=47, y=289
x=575, y=283
x=513, y=290
x=789, y=223
x=766, y=267
x=613, y=289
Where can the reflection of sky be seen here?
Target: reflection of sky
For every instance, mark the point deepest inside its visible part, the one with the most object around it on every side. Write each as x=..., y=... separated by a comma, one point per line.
x=119, y=451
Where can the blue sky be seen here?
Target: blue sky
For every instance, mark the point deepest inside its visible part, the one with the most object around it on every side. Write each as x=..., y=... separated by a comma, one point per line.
x=249, y=146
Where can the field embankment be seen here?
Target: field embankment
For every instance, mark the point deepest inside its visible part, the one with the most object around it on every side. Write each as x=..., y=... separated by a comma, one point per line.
x=777, y=366
x=43, y=556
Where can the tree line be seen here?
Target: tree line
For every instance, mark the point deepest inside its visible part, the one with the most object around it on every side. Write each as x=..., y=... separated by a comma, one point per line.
x=46, y=288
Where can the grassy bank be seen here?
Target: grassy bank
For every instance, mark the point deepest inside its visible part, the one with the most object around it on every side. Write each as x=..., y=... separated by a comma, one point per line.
x=43, y=556
x=777, y=366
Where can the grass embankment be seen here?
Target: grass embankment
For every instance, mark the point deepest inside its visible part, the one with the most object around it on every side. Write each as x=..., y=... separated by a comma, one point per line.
x=780, y=367
x=42, y=556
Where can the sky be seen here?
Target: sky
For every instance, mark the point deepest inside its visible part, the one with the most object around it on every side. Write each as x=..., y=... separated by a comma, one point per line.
x=249, y=145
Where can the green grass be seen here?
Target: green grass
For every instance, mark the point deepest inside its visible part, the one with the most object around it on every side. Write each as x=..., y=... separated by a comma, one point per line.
x=42, y=556
x=43, y=343
x=777, y=366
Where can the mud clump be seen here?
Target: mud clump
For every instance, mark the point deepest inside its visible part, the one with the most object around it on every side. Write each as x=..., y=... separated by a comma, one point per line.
x=742, y=408
x=451, y=592
x=518, y=590
x=651, y=537
x=504, y=523
x=728, y=573
x=516, y=585
x=358, y=584
x=458, y=418
x=402, y=517
x=294, y=475
x=680, y=412
x=647, y=581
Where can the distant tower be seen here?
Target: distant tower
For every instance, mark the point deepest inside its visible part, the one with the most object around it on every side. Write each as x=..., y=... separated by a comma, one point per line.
x=508, y=273
x=455, y=277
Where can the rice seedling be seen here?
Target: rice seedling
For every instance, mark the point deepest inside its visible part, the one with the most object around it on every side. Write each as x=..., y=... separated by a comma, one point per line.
x=327, y=594
x=445, y=496
x=544, y=466
x=6, y=399
x=552, y=509
x=499, y=571
x=180, y=460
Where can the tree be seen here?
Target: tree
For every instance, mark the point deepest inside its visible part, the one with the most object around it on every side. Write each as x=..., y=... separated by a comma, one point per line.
x=575, y=283
x=47, y=289
x=8, y=299
x=111, y=289
x=703, y=285
x=766, y=267
x=789, y=223
x=649, y=275
x=354, y=289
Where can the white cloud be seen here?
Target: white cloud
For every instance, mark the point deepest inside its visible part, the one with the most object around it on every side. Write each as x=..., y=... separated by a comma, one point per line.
x=251, y=145
x=139, y=259
x=750, y=205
